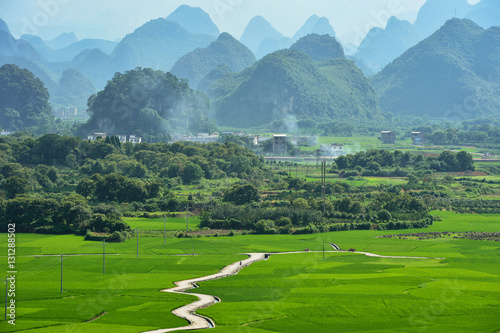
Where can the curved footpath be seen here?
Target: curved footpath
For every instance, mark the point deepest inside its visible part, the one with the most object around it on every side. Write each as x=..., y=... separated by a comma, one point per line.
x=196, y=321
x=188, y=311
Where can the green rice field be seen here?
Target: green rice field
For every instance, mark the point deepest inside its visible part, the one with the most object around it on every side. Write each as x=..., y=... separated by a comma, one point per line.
x=459, y=291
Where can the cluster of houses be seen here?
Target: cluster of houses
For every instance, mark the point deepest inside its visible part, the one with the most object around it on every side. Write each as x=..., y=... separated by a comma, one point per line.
x=390, y=137
x=280, y=141
x=122, y=138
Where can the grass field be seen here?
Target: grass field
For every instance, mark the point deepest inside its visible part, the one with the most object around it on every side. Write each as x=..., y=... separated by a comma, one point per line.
x=173, y=223
x=343, y=292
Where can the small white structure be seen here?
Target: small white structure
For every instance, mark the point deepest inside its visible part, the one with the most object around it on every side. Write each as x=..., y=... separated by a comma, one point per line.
x=97, y=135
x=122, y=138
x=134, y=139
x=6, y=132
x=333, y=150
x=203, y=138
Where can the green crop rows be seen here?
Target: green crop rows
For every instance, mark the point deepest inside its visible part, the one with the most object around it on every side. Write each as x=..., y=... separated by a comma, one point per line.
x=343, y=292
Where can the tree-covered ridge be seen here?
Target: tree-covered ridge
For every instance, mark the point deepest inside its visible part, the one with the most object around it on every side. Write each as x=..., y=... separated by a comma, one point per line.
x=319, y=48
x=56, y=184
x=24, y=101
x=74, y=89
x=146, y=102
x=289, y=83
x=226, y=50
x=454, y=73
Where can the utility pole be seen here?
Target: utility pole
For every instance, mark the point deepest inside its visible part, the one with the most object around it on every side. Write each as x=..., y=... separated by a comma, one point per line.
x=103, y=256
x=323, y=183
x=61, y=259
x=187, y=217
x=164, y=230
x=137, y=242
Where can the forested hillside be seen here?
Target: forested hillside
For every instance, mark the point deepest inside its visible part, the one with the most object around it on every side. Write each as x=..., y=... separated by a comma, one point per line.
x=24, y=101
x=226, y=50
x=147, y=103
x=454, y=73
x=289, y=83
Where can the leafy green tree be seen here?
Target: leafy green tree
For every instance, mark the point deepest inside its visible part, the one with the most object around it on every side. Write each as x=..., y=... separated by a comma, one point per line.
x=16, y=185
x=412, y=180
x=384, y=215
x=85, y=187
x=74, y=210
x=296, y=183
x=439, y=137
x=342, y=162
x=465, y=161
x=52, y=174
x=374, y=166
x=300, y=203
x=242, y=194
x=192, y=173
x=448, y=161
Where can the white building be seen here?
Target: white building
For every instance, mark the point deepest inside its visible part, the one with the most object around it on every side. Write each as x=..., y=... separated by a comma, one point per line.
x=134, y=139
x=333, y=150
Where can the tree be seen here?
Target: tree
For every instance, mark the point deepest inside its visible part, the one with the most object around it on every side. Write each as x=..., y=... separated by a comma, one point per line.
x=384, y=215
x=192, y=173
x=52, y=174
x=439, y=137
x=374, y=166
x=16, y=185
x=412, y=180
x=448, y=161
x=465, y=161
x=242, y=194
x=342, y=162
x=85, y=188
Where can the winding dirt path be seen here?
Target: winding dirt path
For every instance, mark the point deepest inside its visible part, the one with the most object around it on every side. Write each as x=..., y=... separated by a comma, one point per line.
x=368, y=254
x=188, y=311
x=197, y=321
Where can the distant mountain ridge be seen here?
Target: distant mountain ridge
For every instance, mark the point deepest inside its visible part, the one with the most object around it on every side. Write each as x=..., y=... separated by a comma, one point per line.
x=257, y=31
x=69, y=52
x=453, y=73
x=318, y=47
x=289, y=83
x=194, y=20
x=314, y=25
x=226, y=50
x=381, y=46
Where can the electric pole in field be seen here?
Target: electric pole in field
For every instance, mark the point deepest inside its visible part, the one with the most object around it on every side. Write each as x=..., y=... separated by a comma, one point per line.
x=323, y=249
x=164, y=230
x=187, y=217
x=323, y=183
x=103, y=256
x=62, y=259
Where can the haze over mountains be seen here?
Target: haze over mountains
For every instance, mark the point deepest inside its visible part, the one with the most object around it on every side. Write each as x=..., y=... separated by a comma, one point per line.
x=381, y=46
x=422, y=68
x=454, y=73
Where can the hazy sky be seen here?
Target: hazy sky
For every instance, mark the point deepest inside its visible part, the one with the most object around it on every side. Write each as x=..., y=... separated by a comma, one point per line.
x=113, y=19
